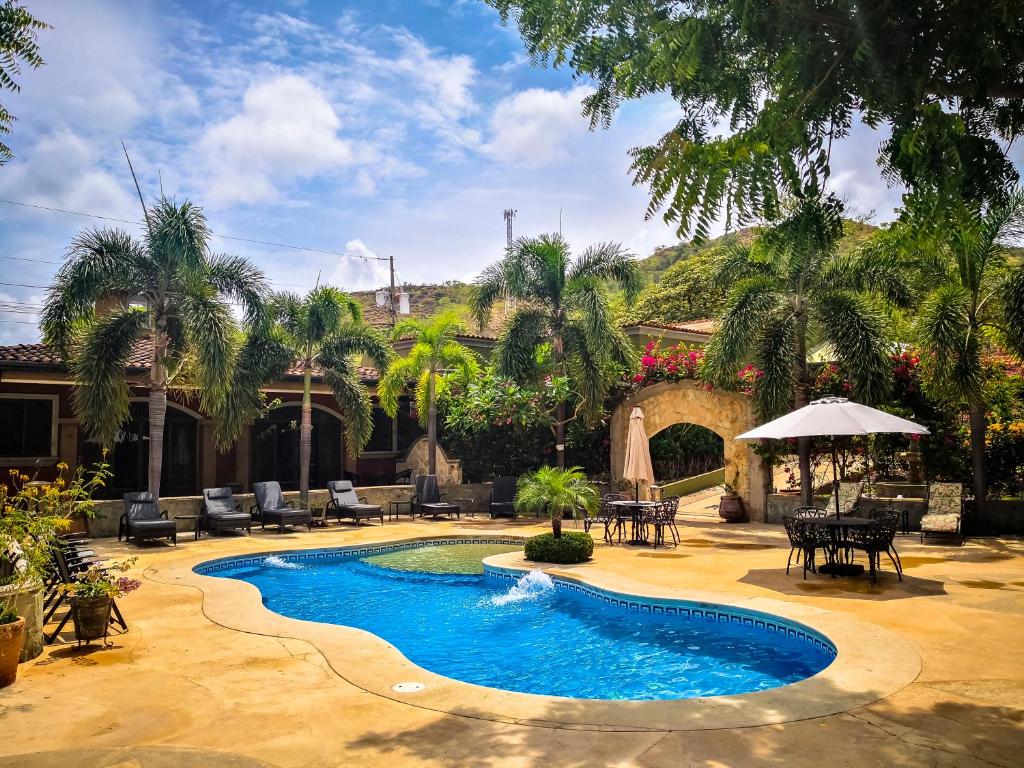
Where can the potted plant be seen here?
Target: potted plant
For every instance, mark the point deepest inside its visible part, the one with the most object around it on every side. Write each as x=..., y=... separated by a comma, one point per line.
x=32, y=516
x=558, y=493
x=730, y=504
x=92, y=594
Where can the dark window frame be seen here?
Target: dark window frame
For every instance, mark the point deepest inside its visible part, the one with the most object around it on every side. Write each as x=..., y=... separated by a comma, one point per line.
x=54, y=404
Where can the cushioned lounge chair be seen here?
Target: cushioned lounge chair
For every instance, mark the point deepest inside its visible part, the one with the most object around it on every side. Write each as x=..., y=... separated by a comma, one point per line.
x=345, y=504
x=503, y=497
x=430, y=500
x=272, y=509
x=849, y=498
x=142, y=519
x=222, y=513
x=945, y=511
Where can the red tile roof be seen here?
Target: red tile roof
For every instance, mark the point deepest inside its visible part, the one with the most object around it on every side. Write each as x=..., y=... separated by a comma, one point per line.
x=32, y=355
x=702, y=327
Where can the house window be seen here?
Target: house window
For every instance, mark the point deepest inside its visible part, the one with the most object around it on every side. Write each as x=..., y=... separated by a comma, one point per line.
x=394, y=435
x=26, y=427
x=129, y=459
x=275, y=448
x=382, y=439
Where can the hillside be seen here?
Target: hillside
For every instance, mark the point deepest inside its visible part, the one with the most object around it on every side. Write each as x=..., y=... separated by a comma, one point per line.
x=682, y=298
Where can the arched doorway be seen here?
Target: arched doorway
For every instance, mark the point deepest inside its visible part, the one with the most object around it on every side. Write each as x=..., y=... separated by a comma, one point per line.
x=129, y=458
x=684, y=450
x=728, y=414
x=275, y=447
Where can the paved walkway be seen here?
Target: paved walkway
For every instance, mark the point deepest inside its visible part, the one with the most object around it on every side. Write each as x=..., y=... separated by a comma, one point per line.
x=179, y=690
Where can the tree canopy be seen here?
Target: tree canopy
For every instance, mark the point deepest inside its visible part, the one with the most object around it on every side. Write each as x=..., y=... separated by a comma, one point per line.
x=767, y=87
x=19, y=44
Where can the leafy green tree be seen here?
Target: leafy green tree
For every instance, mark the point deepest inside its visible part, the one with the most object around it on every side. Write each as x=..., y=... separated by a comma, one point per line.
x=972, y=299
x=766, y=89
x=687, y=291
x=167, y=290
x=325, y=330
x=787, y=290
x=19, y=42
x=563, y=303
x=435, y=352
x=556, y=492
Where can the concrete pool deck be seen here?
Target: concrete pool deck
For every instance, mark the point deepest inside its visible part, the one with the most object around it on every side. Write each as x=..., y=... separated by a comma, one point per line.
x=179, y=689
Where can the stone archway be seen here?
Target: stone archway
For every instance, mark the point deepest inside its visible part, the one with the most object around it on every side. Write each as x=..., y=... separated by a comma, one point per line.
x=726, y=413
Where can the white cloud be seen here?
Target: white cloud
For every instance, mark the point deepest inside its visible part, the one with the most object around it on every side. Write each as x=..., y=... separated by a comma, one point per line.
x=360, y=269
x=61, y=171
x=287, y=130
x=533, y=127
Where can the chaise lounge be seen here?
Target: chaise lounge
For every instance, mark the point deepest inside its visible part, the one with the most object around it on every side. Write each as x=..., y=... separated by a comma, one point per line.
x=345, y=503
x=222, y=513
x=503, y=497
x=430, y=500
x=944, y=516
x=142, y=519
x=272, y=509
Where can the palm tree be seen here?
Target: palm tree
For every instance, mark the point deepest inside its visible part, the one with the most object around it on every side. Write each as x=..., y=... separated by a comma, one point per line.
x=970, y=291
x=167, y=289
x=564, y=304
x=557, y=492
x=434, y=352
x=325, y=329
x=790, y=289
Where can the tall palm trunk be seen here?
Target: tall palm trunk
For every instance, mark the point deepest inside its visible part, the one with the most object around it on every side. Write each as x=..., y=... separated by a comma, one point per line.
x=556, y=526
x=558, y=351
x=431, y=427
x=157, y=407
x=979, y=423
x=801, y=398
x=305, y=433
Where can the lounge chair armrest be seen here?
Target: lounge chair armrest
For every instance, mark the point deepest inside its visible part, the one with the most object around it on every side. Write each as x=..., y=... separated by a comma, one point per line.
x=331, y=504
x=362, y=499
x=163, y=514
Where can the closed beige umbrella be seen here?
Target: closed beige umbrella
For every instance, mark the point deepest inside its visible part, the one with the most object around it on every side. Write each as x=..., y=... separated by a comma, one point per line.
x=638, y=453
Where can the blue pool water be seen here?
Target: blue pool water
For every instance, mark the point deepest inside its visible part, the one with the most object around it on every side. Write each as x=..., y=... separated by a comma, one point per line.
x=533, y=638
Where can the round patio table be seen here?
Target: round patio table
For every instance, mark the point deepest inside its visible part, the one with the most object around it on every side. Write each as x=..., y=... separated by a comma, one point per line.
x=837, y=528
x=636, y=508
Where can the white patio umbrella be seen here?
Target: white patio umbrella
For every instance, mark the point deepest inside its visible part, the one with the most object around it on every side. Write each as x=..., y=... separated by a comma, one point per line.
x=638, y=452
x=833, y=417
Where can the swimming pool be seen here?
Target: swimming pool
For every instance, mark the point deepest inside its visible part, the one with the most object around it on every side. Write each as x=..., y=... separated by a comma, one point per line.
x=529, y=634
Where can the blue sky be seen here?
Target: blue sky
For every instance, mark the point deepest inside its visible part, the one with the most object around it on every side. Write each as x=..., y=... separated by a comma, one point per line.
x=366, y=128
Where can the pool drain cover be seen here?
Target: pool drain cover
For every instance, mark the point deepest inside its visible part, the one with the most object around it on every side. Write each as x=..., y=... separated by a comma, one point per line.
x=407, y=687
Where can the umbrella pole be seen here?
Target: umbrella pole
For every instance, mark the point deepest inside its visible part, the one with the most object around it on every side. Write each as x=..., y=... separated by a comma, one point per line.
x=637, y=491
x=835, y=477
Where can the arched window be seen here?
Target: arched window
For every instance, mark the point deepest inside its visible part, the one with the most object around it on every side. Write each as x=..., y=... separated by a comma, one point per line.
x=275, y=448
x=129, y=459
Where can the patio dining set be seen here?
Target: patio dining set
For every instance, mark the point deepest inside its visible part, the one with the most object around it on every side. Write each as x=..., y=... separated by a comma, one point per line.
x=635, y=521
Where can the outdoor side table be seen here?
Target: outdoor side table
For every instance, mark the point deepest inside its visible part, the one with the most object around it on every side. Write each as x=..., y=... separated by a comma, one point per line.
x=470, y=505
x=196, y=520
x=395, y=509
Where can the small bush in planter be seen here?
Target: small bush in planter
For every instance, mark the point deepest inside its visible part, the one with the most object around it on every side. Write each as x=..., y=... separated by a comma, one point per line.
x=570, y=547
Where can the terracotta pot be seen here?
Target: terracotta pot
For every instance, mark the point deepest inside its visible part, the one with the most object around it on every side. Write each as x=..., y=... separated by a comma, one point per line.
x=730, y=508
x=11, y=636
x=91, y=616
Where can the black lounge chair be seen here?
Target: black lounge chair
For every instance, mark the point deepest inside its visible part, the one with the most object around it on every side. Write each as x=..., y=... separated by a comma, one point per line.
x=142, y=519
x=222, y=513
x=412, y=502
x=503, y=497
x=430, y=500
x=345, y=503
x=272, y=509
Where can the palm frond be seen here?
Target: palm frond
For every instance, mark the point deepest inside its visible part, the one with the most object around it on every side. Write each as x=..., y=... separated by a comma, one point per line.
x=395, y=380
x=556, y=493
x=584, y=357
x=1013, y=310
x=210, y=328
x=750, y=305
x=774, y=352
x=239, y=279
x=354, y=401
x=98, y=360
x=515, y=352
x=855, y=329
x=949, y=346
x=177, y=236
x=609, y=261
x=356, y=339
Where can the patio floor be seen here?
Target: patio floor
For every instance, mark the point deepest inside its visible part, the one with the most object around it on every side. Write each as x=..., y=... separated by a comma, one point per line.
x=180, y=690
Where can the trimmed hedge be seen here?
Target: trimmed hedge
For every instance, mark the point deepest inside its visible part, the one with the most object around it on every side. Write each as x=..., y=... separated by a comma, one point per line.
x=572, y=547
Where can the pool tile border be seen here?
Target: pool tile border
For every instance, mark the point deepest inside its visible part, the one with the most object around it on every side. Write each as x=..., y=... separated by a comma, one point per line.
x=714, y=612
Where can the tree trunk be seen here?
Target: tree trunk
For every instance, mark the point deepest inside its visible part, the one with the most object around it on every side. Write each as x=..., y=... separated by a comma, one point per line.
x=801, y=398
x=556, y=526
x=979, y=424
x=305, y=434
x=558, y=351
x=431, y=428
x=157, y=407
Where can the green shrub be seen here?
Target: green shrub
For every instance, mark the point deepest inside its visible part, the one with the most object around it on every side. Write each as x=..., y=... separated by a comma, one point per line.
x=571, y=547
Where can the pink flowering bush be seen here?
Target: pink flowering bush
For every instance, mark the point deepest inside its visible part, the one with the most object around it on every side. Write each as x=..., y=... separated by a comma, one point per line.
x=674, y=363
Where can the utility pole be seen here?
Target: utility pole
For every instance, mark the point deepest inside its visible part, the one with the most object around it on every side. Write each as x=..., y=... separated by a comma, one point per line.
x=510, y=213
x=392, y=297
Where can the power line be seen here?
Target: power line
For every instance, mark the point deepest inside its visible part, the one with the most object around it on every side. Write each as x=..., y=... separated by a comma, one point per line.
x=214, y=234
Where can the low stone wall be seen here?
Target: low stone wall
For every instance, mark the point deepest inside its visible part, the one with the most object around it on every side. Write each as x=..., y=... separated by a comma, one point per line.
x=780, y=505
x=1002, y=517
x=29, y=605
x=472, y=497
